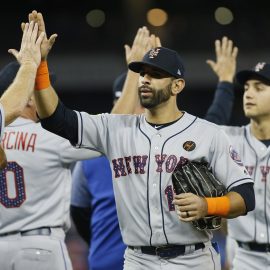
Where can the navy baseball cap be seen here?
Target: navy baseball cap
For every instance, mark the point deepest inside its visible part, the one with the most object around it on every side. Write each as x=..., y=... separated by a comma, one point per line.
x=8, y=74
x=162, y=58
x=261, y=72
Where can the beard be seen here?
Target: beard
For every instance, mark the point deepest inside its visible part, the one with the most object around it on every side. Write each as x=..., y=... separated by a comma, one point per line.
x=158, y=96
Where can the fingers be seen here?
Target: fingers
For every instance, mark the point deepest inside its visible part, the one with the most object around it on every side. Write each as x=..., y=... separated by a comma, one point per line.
x=189, y=206
x=37, y=18
x=52, y=39
x=211, y=64
x=40, y=39
x=235, y=52
x=127, y=50
x=33, y=31
x=217, y=47
x=158, y=42
x=41, y=24
x=13, y=52
x=186, y=215
x=25, y=32
x=226, y=47
x=22, y=26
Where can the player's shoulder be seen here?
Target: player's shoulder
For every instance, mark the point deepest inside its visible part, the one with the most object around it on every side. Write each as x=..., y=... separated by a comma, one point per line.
x=236, y=131
x=232, y=130
x=111, y=116
x=124, y=119
x=202, y=123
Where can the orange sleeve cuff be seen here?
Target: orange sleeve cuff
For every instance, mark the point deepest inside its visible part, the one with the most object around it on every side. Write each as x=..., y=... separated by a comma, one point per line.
x=219, y=206
x=42, y=77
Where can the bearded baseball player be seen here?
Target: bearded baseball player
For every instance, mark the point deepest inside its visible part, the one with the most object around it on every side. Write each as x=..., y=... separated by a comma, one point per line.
x=143, y=151
x=252, y=142
x=35, y=188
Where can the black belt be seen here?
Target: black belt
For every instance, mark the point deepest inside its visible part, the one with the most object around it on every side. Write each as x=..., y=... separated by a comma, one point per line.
x=38, y=231
x=254, y=246
x=168, y=251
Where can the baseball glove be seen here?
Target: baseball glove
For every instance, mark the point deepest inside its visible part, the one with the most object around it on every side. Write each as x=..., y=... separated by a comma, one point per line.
x=195, y=177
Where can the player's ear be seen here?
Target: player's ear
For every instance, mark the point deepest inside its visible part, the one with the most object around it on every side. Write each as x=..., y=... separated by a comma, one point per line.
x=177, y=86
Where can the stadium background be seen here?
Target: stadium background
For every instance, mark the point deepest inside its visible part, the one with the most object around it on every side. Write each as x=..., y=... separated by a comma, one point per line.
x=89, y=51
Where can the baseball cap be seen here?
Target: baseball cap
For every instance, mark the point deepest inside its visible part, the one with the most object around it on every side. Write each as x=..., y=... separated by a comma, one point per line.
x=162, y=58
x=261, y=71
x=8, y=74
x=118, y=85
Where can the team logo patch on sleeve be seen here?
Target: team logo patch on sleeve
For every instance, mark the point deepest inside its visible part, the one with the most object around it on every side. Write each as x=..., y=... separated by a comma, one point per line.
x=234, y=155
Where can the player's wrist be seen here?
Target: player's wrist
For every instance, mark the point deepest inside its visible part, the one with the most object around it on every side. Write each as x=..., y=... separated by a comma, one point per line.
x=218, y=206
x=42, y=77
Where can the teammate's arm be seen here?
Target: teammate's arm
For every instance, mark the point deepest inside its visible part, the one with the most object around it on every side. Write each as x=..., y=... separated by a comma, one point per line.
x=225, y=66
x=18, y=93
x=128, y=103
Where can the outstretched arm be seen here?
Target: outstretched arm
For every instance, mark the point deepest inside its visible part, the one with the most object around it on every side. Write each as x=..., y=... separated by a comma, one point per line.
x=225, y=66
x=54, y=116
x=18, y=93
x=46, y=100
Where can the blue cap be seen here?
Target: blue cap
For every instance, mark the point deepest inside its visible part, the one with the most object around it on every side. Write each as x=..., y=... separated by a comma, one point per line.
x=162, y=58
x=261, y=72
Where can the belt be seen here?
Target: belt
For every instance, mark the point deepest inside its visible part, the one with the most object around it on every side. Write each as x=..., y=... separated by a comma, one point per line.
x=38, y=231
x=169, y=251
x=254, y=246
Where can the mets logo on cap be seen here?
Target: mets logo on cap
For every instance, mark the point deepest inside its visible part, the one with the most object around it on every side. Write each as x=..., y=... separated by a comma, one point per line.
x=154, y=52
x=234, y=155
x=259, y=66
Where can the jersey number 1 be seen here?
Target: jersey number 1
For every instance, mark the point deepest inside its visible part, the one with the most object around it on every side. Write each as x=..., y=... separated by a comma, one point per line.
x=16, y=171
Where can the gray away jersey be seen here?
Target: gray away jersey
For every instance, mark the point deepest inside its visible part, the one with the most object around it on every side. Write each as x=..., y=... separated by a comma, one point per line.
x=35, y=186
x=142, y=160
x=255, y=226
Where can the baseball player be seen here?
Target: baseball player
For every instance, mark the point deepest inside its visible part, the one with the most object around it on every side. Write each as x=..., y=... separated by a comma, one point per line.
x=252, y=142
x=143, y=151
x=15, y=98
x=35, y=190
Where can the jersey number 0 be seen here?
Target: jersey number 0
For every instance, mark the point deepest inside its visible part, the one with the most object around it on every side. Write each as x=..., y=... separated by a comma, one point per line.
x=16, y=172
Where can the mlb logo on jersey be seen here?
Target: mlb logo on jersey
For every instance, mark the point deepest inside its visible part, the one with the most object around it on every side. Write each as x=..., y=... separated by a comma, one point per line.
x=234, y=155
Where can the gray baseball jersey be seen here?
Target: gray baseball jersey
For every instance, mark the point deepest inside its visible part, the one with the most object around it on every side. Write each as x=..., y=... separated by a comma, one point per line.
x=35, y=187
x=142, y=160
x=254, y=227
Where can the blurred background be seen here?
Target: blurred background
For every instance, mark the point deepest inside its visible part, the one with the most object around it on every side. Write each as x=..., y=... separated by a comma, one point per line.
x=89, y=51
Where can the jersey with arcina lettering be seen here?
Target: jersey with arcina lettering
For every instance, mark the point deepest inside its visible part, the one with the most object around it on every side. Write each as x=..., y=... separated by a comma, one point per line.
x=36, y=185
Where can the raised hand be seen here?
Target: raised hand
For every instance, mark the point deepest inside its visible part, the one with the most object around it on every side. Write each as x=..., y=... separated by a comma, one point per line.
x=46, y=44
x=142, y=43
x=30, y=51
x=225, y=65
